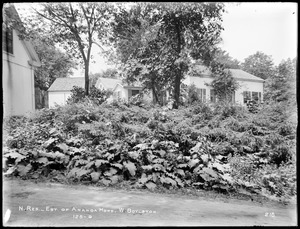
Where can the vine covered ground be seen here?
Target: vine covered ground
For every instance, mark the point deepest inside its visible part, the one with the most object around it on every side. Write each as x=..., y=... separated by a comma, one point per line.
x=220, y=147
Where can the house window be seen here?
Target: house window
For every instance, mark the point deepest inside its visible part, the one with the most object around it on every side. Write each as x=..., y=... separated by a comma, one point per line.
x=252, y=95
x=134, y=92
x=255, y=96
x=202, y=94
x=7, y=40
x=212, y=96
x=247, y=96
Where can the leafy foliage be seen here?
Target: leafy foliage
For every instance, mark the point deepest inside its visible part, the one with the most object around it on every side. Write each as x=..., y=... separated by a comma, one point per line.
x=259, y=64
x=213, y=147
x=192, y=94
x=54, y=62
x=228, y=62
x=223, y=83
x=281, y=86
x=75, y=26
x=108, y=73
x=96, y=95
x=156, y=41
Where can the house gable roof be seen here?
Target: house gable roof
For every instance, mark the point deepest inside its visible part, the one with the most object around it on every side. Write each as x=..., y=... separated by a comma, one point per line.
x=66, y=84
x=245, y=76
x=108, y=83
x=203, y=70
x=238, y=74
x=136, y=84
x=11, y=12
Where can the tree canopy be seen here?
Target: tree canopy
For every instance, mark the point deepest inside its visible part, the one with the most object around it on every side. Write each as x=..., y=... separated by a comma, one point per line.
x=76, y=27
x=259, y=64
x=108, y=73
x=156, y=41
x=226, y=60
x=224, y=84
x=54, y=64
x=157, y=44
x=281, y=87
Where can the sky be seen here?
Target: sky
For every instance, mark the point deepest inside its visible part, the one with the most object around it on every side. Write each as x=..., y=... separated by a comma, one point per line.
x=267, y=27
x=248, y=27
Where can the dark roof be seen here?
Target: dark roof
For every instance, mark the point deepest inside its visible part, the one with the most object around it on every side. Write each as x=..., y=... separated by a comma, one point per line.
x=66, y=84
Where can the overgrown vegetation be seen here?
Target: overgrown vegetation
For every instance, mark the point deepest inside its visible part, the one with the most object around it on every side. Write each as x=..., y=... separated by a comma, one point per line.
x=220, y=147
x=96, y=95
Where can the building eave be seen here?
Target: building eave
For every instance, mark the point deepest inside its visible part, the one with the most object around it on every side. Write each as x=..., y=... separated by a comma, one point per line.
x=58, y=90
x=133, y=87
x=117, y=86
x=13, y=13
x=250, y=80
x=35, y=61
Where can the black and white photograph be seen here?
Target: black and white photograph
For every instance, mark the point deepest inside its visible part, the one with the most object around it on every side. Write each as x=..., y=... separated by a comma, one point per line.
x=149, y=114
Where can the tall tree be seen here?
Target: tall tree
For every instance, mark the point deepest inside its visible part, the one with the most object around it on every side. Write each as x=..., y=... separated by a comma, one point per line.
x=281, y=87
x=259, y=64
x=227, y=61
x=163, y=37
x=55, y=63
x=77, y=27
x=139, y=46
x=108, y=73
x=224, y=85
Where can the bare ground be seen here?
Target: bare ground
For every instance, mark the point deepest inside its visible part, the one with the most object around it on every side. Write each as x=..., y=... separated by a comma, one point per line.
x=53, y=204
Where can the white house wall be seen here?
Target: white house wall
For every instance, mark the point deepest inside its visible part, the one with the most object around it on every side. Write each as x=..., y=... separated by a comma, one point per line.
x=57, y=97
x=17, y=80
x=248, y=86
x=20, y=55
x=201, y=82
x=123, y=92
x=126, y=93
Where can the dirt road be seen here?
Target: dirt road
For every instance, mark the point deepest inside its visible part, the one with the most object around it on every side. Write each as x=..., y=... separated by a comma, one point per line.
x=48, y=204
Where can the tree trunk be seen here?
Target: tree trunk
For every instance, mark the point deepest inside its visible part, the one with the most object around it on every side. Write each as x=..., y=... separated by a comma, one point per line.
x=179, y=72
x=86, y=77
x=155, y=96
x=177, y=90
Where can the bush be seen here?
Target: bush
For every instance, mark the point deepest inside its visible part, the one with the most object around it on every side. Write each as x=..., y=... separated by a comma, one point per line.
x=136, y=100
x=77, y=95
x=73, y=114
x=96, y=95
x=278, y=181
x=192, y=94
x=226, y=109
x=185, y=148
x=201, y=108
